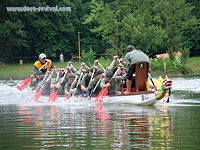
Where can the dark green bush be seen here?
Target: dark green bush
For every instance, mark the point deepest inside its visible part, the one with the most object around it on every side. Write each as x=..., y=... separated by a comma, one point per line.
x=88, y=57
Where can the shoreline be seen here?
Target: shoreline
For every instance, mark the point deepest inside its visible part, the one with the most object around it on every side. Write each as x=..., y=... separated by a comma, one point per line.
x=156, y=74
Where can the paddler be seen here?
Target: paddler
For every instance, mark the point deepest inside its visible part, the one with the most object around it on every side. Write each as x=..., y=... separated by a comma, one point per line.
x=35, y=81
x=42, y=64
x=68, y=85
x=131, y=58
x=113, y=80
x=40, y=67
x=97, y=76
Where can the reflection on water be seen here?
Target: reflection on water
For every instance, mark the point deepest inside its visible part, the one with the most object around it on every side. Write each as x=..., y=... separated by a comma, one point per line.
x=82, y=125
x=108, y=127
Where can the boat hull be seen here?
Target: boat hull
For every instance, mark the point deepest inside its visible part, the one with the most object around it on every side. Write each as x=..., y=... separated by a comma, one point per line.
x=141, y=99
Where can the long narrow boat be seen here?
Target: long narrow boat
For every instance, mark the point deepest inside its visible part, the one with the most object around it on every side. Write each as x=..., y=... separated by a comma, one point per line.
x=146, y=91
x=139, y=98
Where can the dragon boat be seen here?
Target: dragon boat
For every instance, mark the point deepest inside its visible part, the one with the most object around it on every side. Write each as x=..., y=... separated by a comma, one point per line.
x=144, y=90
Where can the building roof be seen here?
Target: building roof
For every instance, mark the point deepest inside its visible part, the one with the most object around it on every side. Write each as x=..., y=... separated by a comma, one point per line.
x=166, y=55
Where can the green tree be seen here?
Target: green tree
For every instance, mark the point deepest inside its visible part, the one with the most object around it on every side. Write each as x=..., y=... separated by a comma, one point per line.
x=124, y=22
x=12, y=39
x=105, y=26
x=195, y=33
x=176, y=19
x=49, y=32
x=146, y=24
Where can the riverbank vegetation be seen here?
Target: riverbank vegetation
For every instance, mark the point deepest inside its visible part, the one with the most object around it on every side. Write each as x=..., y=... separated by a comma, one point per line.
x=105, y=27
x=100, y=29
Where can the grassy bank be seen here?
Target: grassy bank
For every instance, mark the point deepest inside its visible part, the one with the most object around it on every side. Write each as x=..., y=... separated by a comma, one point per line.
x=194, y=63
x=16, y=71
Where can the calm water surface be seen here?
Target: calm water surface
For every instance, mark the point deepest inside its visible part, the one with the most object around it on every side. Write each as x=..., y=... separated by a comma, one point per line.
x=83, y=125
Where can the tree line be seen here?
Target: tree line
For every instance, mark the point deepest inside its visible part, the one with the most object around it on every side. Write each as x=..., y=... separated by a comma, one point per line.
x=105, y=26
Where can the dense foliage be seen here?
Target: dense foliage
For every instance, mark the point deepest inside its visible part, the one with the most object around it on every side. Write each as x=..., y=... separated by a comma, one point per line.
x=105, y=26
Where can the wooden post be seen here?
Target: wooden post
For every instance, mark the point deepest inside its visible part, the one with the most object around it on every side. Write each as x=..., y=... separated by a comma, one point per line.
x=165, y=69
x=79, y=47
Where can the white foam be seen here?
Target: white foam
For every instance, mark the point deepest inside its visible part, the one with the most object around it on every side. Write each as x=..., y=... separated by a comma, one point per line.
x=9, y=94
x=189, y=84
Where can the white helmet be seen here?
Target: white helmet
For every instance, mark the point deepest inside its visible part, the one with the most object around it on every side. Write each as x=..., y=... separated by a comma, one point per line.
x=42, y=55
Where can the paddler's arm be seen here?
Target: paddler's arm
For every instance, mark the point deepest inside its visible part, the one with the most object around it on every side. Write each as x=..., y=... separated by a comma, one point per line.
x=95, y=63
x=50, y=64
x=113, y=62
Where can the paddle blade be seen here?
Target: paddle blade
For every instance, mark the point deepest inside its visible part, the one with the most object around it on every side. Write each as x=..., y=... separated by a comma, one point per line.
x=22, y=85
x=37, y=96
x=102, y=94
x=53, y=96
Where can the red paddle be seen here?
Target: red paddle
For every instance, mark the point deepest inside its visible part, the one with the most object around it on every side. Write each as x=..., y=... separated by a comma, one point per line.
x=23, y=84
x=102, y=94
x=37, y=96
x=53, y=96
x=39, y=93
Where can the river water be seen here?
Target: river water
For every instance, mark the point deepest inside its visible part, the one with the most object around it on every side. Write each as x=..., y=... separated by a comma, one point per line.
x=25, y=124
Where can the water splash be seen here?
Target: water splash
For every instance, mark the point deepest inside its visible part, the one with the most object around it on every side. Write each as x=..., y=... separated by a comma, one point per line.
x=186, y=91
